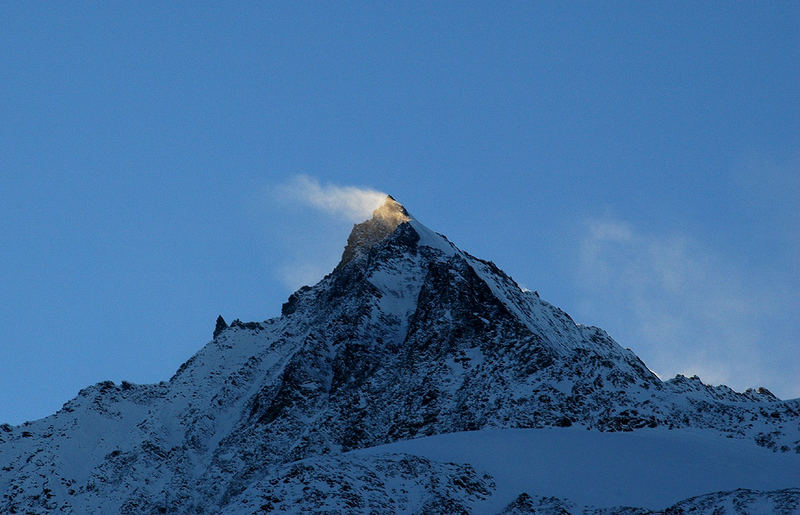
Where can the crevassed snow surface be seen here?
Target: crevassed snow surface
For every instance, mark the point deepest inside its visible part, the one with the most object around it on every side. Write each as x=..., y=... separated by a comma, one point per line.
x=649, y=468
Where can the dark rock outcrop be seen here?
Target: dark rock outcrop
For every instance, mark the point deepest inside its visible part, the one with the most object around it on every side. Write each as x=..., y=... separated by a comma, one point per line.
x=221, y=326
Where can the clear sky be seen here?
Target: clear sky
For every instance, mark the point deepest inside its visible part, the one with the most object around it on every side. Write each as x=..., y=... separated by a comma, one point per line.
x=637, y=163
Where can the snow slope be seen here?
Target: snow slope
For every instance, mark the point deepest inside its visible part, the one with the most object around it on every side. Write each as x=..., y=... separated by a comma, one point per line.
x=651, y=468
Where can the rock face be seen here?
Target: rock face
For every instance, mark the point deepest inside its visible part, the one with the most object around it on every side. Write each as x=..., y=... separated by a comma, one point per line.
x=221, y=326
x=409, y=336
x=365, y=235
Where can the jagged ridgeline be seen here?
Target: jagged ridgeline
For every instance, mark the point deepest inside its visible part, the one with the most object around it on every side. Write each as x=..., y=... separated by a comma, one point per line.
x=407, y=337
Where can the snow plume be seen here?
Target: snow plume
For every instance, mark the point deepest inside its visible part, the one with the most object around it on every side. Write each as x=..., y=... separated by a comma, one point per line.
x=308, y=224
x=353, y=203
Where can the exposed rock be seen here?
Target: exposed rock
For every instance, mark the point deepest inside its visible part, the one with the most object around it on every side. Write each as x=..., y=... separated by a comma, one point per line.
x=384, y=221
x=221, y=326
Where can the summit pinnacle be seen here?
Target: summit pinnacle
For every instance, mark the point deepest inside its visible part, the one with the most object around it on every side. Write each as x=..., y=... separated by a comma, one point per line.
x=384, y=221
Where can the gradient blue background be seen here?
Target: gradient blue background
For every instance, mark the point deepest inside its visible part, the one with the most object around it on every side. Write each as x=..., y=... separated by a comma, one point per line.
x=636, y=163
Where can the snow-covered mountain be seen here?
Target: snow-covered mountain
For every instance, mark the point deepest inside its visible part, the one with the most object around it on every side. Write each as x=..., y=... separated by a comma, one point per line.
x=336, y=406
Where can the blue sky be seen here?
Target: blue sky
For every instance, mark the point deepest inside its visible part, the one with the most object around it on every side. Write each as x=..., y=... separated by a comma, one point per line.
x=636, y=163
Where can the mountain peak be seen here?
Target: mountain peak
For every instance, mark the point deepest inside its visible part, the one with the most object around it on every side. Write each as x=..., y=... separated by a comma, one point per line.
x=391, y=212
x=384, y=221
x=410, y=338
